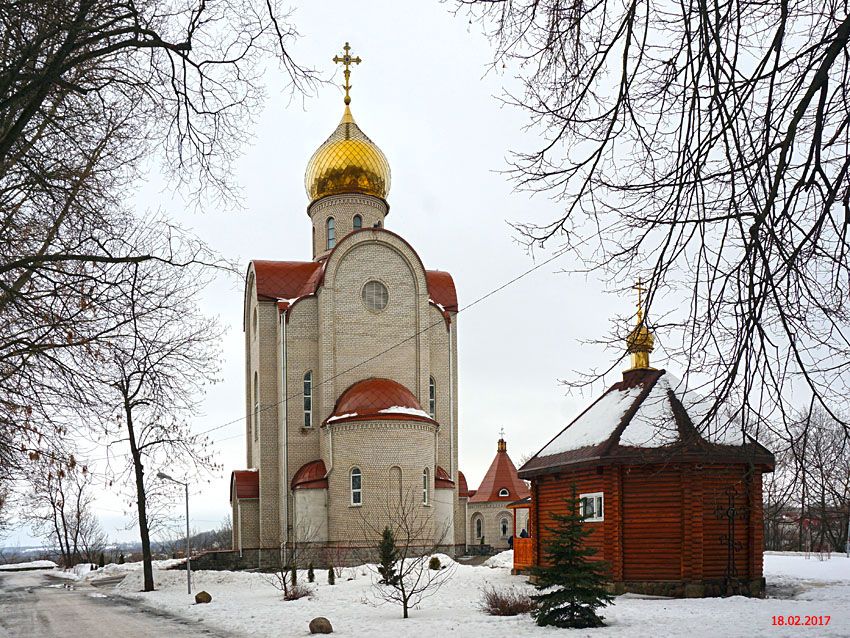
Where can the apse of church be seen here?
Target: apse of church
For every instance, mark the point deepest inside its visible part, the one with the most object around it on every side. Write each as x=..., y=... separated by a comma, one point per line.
x=350, y=368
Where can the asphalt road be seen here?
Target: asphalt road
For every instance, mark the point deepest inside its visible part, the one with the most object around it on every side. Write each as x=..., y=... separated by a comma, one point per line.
x=32, y=605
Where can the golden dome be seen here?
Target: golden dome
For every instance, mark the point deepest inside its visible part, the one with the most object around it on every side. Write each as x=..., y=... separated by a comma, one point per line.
x=348, y=162
x=639, y=343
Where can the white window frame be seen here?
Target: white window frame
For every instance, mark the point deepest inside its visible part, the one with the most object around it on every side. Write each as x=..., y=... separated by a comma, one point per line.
x=507, y=522
x=330, y=232
x=308, y=412
x=426, y=486
x=354, y=222
x=355, y=471
x=504, y=492
x=478, y=522
x=432, y=397
x=598, y=507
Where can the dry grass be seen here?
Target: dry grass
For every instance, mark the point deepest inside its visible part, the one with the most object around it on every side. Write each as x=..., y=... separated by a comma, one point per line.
x=509, y=601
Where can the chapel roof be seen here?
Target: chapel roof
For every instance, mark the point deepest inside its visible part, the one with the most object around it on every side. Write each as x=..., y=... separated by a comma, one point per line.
x=501, y=475
x=462, y=487
x=311, y=476
x=642, y=419
x=377, y=398
x=246, y=484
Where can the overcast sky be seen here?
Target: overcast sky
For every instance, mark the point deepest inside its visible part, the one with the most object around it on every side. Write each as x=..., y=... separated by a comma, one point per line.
x=424, y=96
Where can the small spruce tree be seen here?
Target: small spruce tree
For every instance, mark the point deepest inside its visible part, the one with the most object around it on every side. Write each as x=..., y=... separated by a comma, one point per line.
x=388, y=558
x=578, y=583
x=311, y=577
x=101, y=561
x=331, y=576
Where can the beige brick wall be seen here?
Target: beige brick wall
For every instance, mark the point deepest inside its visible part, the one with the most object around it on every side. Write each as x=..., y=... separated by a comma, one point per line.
x=333, y=334
x=343, y=208
x=491, y=514
x=247, y=520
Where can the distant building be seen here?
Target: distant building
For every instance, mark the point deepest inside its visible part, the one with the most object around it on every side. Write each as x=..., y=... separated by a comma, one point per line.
x=489, y=521
x=671, y=511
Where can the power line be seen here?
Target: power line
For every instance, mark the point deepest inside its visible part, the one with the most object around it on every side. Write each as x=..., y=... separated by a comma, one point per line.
x=392, y=347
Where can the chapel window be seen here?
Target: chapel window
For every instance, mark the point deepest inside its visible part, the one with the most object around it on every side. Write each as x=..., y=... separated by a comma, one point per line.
x=479, y=527
x=592, y=507
x=308, y=399
x=503, y=527
x=504, y=492
x=356, y=486
x=375, y=295
x=425, y=486
x=331, y=232
x=432, y=398
x=358, y=222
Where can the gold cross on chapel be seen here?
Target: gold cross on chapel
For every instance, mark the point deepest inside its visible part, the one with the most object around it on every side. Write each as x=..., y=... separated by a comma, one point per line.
x=640, y=290
x=347, y=60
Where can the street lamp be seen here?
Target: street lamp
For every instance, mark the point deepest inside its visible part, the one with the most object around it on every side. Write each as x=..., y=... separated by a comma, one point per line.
x=165, y=477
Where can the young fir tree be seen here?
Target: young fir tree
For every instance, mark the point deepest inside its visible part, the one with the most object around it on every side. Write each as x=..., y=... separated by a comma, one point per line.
x=388, y=558
x=578, y=584
x=311, y=576
x=331, y=576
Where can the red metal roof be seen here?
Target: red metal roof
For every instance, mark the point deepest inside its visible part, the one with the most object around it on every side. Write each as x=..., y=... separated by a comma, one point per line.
x=377, y=398
x=463, y=488
x=501, y=475
x=311, y=476
x=289, y=281
x=247, y=483
x=442, y=479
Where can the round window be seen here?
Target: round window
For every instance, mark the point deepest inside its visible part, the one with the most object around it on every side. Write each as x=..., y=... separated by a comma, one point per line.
x=375, y=295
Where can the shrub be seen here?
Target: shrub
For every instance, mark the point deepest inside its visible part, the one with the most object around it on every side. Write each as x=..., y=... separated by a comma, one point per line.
x=434, y=564
x=294, y=592
x=509, y=601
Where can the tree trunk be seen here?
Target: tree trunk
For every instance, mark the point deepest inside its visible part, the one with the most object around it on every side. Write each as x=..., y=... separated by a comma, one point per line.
x=139, y=470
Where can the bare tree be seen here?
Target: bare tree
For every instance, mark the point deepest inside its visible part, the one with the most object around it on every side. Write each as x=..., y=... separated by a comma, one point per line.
x=704, y=148
x=417, y=538
x=147, y=378
x=59, y=507
x=89, y=91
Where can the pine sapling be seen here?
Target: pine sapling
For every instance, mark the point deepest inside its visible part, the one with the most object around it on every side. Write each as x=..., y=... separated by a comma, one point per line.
x=388, y=554
x=311, y=577
x=331, y=576
x=577, y=581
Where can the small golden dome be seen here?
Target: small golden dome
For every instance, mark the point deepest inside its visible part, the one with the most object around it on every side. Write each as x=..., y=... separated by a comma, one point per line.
x=348, y=162
x=639, y=343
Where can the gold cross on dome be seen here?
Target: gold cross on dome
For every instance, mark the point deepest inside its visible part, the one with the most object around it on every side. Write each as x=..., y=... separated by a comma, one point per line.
x=347, y=60
x=640, y=289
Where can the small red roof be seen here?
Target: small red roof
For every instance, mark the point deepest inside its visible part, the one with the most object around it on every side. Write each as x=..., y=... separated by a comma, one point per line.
x=441, y=289
x=377, y=398
x=246, y=482
x=463, y=488
x=442, y=480
x=311, y=476
x=501, y=476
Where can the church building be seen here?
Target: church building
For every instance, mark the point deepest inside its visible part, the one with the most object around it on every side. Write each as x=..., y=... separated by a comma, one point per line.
x=350, y=371
x=672, y=509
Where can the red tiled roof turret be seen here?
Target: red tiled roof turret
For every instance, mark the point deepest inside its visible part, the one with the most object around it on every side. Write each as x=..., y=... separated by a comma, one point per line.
x=501, y=475
x=377, y=398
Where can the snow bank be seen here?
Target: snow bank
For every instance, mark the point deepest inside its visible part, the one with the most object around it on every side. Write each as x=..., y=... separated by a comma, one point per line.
x=84, y=571
x=33, y=564
x=502, y=559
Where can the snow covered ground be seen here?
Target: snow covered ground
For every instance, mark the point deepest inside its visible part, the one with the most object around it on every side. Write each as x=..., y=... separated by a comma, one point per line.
x=84, y=571
x=246, y=603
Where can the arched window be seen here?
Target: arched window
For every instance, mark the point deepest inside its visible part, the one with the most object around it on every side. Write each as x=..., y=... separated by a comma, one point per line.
x=479, y=527
x=331, y=232
x=255, y=323
x=504, y=492
x=358, y=222
x=426, y=483
x=504, y=526
x=356, y=486
x=308, y=399
x=432, y=398
x=256, y=418
x=395, y=483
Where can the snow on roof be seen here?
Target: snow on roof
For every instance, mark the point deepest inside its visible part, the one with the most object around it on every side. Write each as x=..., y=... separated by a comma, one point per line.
x=653, y=425
x=399, y=409
x=595, y=424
